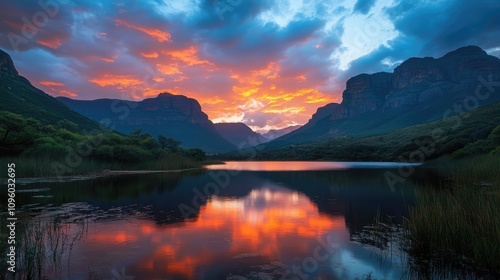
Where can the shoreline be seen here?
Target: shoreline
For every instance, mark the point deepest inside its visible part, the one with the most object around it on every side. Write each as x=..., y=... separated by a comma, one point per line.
x=94, y=175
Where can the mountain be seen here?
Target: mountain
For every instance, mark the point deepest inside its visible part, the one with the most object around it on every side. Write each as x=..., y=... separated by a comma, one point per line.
x=240, y=135
x=275, y=133
x=19, y=96
x=477, y=133
x=173, y=116
x=420, y=90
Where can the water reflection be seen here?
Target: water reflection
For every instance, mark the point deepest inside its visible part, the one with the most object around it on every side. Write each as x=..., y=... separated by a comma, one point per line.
x=302, y=165
x=261, y=226
x=266, y=233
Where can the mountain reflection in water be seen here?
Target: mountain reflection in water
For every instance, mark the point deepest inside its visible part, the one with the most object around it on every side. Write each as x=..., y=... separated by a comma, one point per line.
x=263, y=225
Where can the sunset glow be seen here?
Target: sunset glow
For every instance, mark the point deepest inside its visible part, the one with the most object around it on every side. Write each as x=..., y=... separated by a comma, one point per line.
x=246, y=227
x=269, y=64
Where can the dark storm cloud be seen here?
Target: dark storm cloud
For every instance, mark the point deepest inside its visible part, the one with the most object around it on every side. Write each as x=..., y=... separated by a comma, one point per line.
x=440, y=27
x=428, y=28
x=246, y=40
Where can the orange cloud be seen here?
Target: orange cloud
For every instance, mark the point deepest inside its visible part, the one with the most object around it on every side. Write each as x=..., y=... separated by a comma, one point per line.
x=51, y=84
x=213, y=100
x=245, y=91
x=301, y=78
x=188, y=56
x=288, y=101
x=109, y=59
x=271, y=71
x=151, y=92
x=168, y=69
x=51, y=43
x=68, y=93
x=293, y=110
x=57, y=89
x=160, y=36
x=116, y=80
x=149, y=55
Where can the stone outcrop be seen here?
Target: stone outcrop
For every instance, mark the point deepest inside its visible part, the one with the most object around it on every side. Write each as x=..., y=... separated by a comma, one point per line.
x=415, y=81
x=418, y=91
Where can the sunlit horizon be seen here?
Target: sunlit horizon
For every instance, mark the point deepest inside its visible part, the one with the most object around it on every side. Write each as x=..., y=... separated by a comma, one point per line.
x=267, y=64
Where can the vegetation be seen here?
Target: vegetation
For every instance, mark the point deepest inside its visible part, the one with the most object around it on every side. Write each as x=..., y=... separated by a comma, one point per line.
x=461, y=135
x=20, y=96
x=460, y=224
x=40, y=149
x=40, y=246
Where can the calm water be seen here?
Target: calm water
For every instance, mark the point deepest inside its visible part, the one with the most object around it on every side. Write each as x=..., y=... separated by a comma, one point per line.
x=243, y=220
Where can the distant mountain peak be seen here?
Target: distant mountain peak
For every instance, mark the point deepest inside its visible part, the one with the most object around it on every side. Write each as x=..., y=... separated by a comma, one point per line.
x=164, y=94
x=6, y=64
x=466, y=51
x=239, y=134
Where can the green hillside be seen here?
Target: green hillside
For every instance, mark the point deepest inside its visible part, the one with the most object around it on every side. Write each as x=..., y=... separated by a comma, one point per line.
x=473, y=132
x=45, y=138
x=19, y=96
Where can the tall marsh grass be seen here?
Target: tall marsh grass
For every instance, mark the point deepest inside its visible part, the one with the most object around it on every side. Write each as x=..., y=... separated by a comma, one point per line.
x=41, y=245
x=459, y=225
x=47, y=166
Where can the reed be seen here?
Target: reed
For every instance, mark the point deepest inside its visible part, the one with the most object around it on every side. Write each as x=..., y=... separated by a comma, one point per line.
x=40, y=247
x=459, y=225
x=49, y=166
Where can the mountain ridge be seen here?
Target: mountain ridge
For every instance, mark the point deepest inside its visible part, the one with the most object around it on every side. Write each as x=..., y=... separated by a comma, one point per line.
x=418, y=91
x=19, y=96
x=240, y=135
x=174, y=116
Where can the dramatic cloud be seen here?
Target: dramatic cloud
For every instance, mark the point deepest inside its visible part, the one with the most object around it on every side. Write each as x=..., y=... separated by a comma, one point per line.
x=269, y=64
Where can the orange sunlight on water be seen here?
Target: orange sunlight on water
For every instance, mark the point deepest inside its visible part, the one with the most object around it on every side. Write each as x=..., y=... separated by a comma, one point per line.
x=269, y=223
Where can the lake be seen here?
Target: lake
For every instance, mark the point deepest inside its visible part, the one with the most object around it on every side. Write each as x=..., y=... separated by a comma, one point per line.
x=240, y=220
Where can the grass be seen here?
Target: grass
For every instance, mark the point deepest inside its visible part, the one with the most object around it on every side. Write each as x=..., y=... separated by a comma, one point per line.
x=40, y=246
x=460, y=225
x=47, y=166
x=170, y=162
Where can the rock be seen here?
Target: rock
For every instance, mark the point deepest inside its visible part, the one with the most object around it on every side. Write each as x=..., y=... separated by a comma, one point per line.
x=7, y=65
x=174, y=116
x=418, y=91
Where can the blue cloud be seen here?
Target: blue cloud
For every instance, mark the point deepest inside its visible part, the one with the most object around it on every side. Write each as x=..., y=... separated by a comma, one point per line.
x=439, y=27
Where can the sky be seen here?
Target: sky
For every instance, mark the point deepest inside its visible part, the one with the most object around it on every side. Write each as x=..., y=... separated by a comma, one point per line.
x=269, y=64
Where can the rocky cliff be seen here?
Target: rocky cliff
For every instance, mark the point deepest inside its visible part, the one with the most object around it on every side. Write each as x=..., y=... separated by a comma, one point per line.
x=418, y=91
x=174, y=116
x=417, y=80
x=6, y=65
